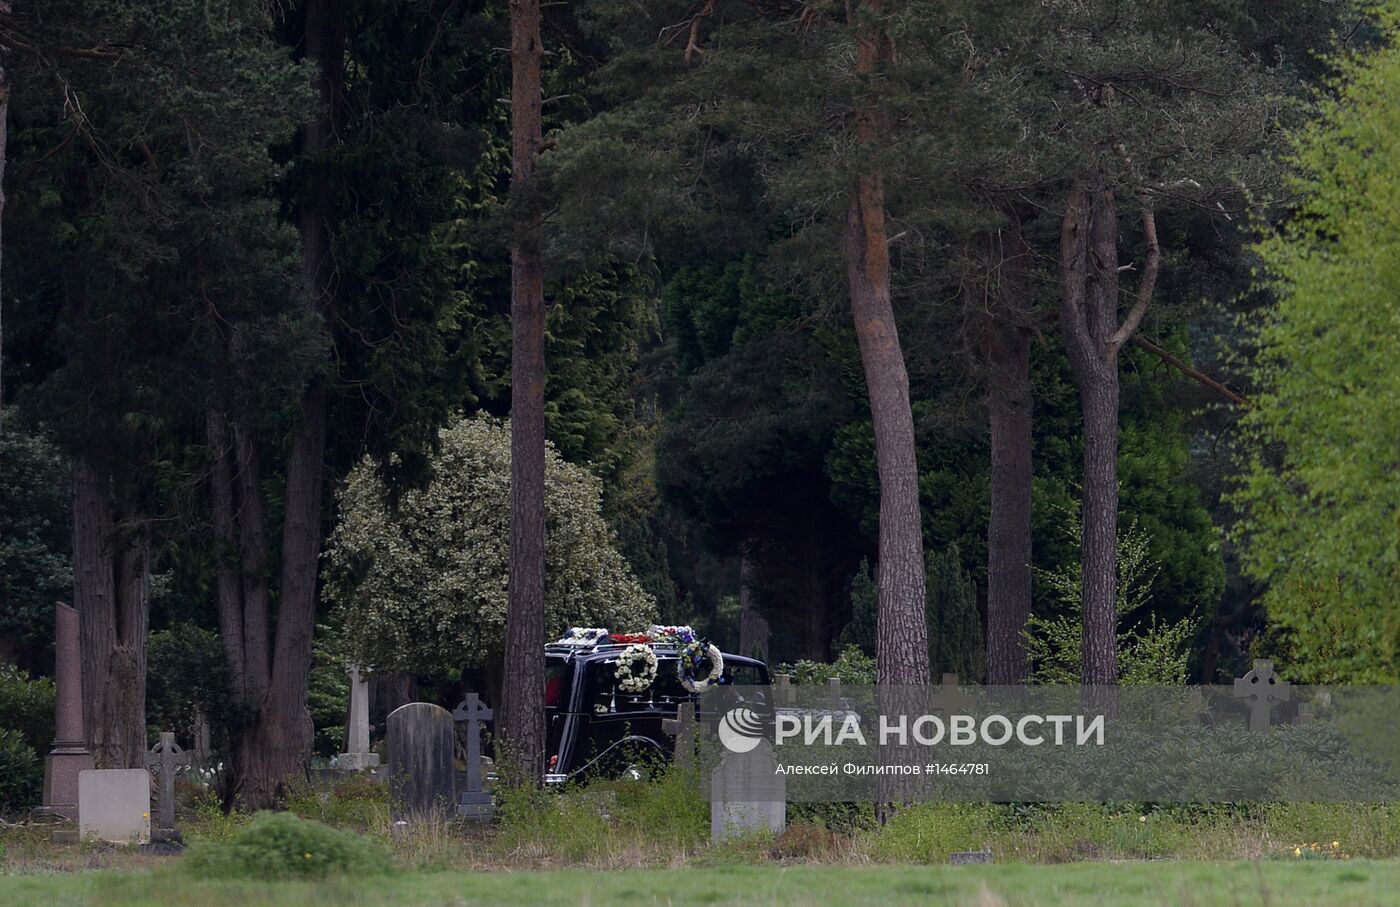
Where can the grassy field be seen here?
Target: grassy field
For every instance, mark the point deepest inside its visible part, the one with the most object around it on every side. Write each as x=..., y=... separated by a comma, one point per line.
x=1269, y=883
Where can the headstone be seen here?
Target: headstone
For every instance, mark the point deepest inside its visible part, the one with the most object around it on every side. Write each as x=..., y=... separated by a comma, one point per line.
x=166, y=758
x=69, y=756
x=1261, y=690
x=969, y=857
x=420, y=762
x=357, y=756
x=747, y=794
x=833, y=694
x=949, y=699
x=783, y=693
x=682, y=727
x=114, y=805
x=474, y=802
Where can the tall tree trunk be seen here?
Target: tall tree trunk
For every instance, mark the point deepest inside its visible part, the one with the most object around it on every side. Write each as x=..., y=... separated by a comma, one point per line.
x=4, y=142
x=754, y=631
x=112, y=593
x=523, y=728
x=1007, y=350
x=1093, y=336
x=275, y=745
x=901, y=645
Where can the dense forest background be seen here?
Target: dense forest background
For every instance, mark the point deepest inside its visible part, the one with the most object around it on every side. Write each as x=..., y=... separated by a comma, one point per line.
x=256, y=324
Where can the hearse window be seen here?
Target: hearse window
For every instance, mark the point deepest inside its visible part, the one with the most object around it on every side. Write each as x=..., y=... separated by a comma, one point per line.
x=557, y=676
x=741, y=675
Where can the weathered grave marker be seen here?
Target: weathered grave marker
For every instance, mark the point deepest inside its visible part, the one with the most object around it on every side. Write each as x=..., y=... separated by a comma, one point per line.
x=166, y=758
x=783, y=693
x=1261, y=689
x=357, y=756
x=682, y=727
x=747, y=793
x=115, y=805
x=474, y=802
x=969, y=857
x=69, y=757
x=421, y=779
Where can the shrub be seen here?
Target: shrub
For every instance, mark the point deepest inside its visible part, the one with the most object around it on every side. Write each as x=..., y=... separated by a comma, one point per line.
x=26, y=706
x=21, y=773
x=283, y=845
x=929, y=832
x=853, y=667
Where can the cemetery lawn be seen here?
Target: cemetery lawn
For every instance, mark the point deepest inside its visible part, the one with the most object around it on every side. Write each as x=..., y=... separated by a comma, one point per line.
x=1276, y=883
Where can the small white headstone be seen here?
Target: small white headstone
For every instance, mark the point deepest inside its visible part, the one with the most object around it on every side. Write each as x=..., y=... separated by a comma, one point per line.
x=115, y=805
x=747, y=794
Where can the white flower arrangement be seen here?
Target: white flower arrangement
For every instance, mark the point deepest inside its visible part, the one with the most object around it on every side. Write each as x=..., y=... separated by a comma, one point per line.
x=692, y=657
x=630, y=677
x=584, y=637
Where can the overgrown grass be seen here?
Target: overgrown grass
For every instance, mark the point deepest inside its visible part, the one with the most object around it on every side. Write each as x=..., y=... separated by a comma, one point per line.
x=1148, y=884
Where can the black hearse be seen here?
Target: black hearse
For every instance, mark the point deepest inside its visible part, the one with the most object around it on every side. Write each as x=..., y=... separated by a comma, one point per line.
x=596, y=730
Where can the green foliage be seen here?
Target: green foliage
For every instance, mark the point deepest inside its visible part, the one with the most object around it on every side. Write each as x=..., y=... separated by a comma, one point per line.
x=422, y=584
x=328, y=691
x=853, y=666
x=21, y=773
x=359, y=803
x=865, y=601
x=954, y=624
x=667, y=814
x=35, y=510
x=929, y=832
x=1320, y=493
x=285, y=846
x=27, y=707
x=187, y=677
x=1149, y=651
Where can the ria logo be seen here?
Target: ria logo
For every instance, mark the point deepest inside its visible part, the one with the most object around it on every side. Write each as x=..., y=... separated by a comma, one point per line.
x=740, y=730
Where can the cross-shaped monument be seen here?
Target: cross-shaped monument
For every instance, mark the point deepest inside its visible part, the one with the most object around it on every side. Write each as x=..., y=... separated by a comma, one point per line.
x=1262, y=690
x=357, y=756
x=682, y=727
x=474, y=803
x=166, y=759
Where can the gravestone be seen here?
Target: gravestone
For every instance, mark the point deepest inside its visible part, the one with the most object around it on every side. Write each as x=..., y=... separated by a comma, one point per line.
x=950, y=700
x=833, y=694
x=682, y=727
x=969, y=857
x=783, y=693
x=357, y=756
x=166, y=758
x=114, y=805
x=474, y=802
x=747, y=793
x=420, y=762
x=1261, y=690
x=69, y=757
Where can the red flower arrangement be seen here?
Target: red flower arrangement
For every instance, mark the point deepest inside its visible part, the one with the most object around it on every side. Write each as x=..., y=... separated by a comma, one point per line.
x=628, y=639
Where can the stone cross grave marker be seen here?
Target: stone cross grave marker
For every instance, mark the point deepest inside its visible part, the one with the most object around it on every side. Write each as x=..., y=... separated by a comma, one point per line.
x=682, y=727
x=474, y=802
x=950, y=699
x=69, y=756
x=166, y=758
x=421, y=781
x=747, y=793
x=115, y=805
x=833, y=694
x=1262, y=690
x=357, y=756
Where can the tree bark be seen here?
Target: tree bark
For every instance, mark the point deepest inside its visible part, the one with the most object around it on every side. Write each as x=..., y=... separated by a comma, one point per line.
x=1009, y=303
x=112, y=593
x=4, y=142
x=901, y=646
x=275, y=744
x=523, y=730
x=1093, y=336
x=754, y=631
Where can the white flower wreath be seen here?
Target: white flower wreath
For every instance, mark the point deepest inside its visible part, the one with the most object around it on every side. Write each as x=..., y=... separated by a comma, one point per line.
x=690, y=657
x=584, y=636
x=629, y=679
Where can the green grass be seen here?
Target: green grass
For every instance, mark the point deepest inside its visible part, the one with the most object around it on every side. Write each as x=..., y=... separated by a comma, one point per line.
x=1275, y=883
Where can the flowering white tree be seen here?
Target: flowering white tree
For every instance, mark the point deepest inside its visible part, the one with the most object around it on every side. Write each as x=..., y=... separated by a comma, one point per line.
x=422, y=584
